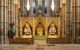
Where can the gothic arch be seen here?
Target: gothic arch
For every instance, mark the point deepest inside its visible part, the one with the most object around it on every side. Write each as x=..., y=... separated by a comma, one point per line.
x=52, y=25
x=26, y=27
x=38, y=27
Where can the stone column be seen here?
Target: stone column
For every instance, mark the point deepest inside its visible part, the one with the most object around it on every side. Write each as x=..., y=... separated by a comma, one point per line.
x=4, y=22
x=0, y=21
x=68, y=19
x=74, y=14
x=10, y=11
x=62, y=15
x=16, y=15
x=77, y=20
x=2, y=35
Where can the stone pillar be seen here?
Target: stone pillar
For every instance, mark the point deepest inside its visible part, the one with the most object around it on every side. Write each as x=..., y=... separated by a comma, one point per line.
x=0, y=21
x=68, y=19
x=74, y=14
x=4, y=21
x=16, y=15
x=62, y=15
x=77, y=20
x=2, y=35
x=10, y=13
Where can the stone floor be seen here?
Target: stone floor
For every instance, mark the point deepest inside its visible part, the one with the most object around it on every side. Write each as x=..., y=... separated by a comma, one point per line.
x=40, y=45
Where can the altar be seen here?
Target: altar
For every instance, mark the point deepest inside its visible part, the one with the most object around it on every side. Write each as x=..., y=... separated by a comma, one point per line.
x=41, y=21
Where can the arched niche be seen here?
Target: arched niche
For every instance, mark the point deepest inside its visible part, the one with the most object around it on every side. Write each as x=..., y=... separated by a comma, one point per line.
x=27, y=29
x=40, y=29
x=52, y=29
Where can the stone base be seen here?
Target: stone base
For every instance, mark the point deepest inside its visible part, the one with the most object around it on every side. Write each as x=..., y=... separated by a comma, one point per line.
x=22, y=41
x=58, y=40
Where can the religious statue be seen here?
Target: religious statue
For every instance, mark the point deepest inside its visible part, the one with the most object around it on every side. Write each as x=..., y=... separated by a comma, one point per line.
x=27, y=29
x=52, y=29
x=40, y=29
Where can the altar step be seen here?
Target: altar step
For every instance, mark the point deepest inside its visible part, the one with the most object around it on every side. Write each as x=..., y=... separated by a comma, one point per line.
x=59, y=40
x=22, y=41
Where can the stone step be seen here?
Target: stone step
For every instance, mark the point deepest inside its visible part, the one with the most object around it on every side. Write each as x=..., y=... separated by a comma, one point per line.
x=58, y=40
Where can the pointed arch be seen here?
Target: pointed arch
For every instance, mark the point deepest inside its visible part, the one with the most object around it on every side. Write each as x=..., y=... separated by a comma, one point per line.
x=28, y=27
x=40, y=28
x=52, y=29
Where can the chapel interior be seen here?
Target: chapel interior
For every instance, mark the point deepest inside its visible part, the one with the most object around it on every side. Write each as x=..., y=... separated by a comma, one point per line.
x=53, y=21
